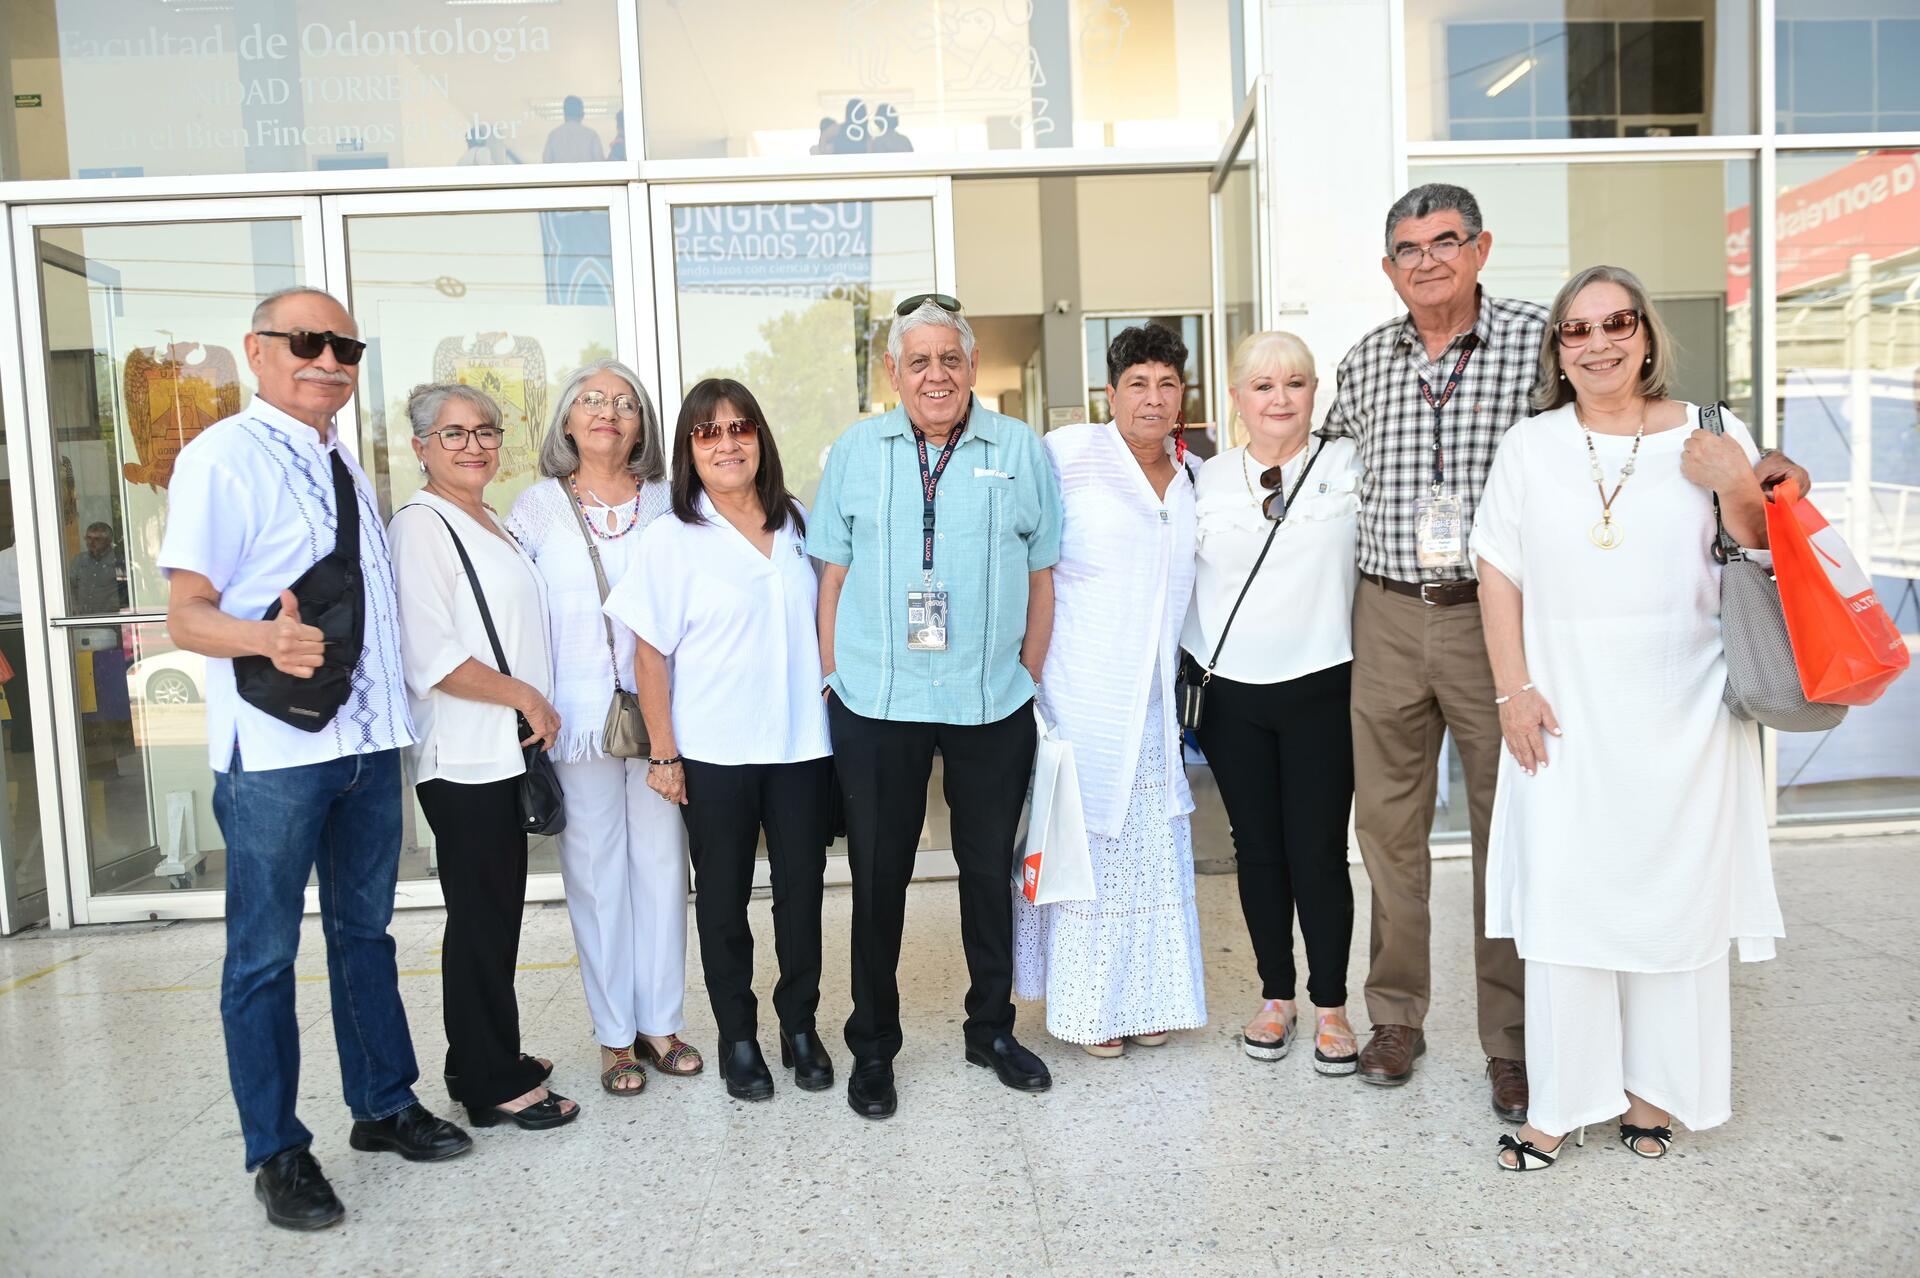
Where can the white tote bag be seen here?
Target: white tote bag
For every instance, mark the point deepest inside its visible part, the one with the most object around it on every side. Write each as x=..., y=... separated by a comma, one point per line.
x=1056, y=864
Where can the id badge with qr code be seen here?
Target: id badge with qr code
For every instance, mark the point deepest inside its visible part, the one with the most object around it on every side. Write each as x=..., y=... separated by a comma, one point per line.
x=1440, y=530
x=927, y=620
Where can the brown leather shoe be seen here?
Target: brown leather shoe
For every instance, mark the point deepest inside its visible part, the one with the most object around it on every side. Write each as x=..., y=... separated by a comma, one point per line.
x=1387, y=1059
x=1509, y=1080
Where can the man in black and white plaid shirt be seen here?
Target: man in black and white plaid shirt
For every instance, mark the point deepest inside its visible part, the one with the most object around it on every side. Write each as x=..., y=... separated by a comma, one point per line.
x=1427, y=397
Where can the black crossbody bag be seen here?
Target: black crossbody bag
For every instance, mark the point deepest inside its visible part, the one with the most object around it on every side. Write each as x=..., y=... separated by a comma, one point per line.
x=542, y=805
x=1190, y=688
x=332, y=601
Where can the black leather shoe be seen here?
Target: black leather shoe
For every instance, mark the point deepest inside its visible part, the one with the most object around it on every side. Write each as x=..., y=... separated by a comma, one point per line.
x=806, y=1056
x=744, y=1071
x=1017, y=1067
x=870, y=1091
x=413, y=1133
x=296, y=1194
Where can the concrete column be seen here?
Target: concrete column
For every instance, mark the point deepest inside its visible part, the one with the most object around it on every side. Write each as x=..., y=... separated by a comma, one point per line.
x=1062, y=337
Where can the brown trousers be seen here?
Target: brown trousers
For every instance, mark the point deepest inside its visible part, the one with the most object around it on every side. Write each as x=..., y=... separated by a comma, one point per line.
x=1417, y=671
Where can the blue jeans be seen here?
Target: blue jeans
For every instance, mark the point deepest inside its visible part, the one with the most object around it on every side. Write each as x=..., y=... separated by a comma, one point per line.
x=342, y=816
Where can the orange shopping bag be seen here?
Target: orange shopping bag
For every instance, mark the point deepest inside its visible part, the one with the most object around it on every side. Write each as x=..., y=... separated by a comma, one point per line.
x=1846, y=646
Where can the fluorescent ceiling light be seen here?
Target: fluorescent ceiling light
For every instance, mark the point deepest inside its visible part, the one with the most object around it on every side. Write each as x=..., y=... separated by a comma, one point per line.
x=1512, y=77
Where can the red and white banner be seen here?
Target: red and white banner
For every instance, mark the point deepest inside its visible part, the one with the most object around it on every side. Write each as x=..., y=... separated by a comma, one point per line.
x=1871, y=206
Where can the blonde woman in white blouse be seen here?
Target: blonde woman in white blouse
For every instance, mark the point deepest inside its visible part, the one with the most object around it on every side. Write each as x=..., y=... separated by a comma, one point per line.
x=467, y=758
x=623, y=856
x=1276, y=730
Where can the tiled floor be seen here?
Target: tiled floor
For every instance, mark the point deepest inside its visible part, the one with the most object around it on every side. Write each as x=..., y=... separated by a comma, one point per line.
x=119, y=1150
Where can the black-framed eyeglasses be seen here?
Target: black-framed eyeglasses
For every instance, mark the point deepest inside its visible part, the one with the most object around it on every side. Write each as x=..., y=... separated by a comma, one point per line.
x=707, y=434
x=1618, y=327
x=306, y=344
x=454, y=438
x=596, y=401
x=1408, y=256
x=945, y=301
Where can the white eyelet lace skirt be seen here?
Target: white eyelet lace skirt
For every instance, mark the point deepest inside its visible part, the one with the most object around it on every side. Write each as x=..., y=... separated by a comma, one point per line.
x=1128, y=961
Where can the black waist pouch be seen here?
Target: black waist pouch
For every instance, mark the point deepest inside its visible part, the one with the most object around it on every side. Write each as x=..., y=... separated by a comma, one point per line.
x=331, y=600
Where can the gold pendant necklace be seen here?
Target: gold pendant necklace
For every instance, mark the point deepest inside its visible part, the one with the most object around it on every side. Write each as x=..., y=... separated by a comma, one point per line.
x=1606, y=534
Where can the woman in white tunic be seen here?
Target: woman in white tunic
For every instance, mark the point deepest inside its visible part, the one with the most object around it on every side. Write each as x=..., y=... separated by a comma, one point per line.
x=623, y=856
x=1127, y=963
x=1629, y=841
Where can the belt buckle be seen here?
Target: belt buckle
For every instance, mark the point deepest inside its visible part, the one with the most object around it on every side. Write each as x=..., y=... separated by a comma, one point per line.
x=1426, y=586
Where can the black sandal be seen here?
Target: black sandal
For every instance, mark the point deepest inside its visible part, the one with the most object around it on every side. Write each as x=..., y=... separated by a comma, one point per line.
x=537, y=1117
x=1631, y=1136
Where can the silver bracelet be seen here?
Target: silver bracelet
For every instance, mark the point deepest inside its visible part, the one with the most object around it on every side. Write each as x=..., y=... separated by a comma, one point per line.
x=1501, y=701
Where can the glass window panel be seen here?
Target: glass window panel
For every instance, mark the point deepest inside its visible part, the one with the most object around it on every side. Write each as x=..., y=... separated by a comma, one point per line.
x=794, y=301
x=144, y=329
x=23, y=863
x=1898, y=53
x=1844, y=69
x=1849, y=362
x=131, y=87
x=1831, y=66
x=919, y=75
x=1239, y=261
x=1616, y=65
x=1680, y=226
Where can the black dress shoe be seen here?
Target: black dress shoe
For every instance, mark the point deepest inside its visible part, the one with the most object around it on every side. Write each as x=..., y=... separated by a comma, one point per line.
x=806, y=1056
x=413, y=1133
x=1017, y=1067
x=745, y=1071
x=870, y=1088
x=296, y=1194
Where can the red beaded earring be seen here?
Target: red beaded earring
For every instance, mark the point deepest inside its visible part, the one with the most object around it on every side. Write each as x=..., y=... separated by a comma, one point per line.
x=1180, y=439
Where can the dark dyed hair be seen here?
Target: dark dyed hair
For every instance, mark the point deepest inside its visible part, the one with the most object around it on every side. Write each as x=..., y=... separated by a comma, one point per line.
x=1145, y=344
x=769, y=482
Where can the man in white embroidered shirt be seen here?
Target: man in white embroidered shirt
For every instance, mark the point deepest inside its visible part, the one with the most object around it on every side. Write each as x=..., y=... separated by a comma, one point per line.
x=251, y=509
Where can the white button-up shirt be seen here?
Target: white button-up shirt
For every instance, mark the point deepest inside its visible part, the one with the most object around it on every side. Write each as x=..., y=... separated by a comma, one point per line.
x=250, y=508
x=740, y=628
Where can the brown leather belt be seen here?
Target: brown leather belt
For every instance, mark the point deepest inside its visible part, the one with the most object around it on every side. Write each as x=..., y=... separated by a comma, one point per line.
x=1436, y=594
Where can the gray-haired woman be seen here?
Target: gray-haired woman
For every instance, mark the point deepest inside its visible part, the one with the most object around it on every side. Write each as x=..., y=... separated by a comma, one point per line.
x=622, y=857
x=467, y=758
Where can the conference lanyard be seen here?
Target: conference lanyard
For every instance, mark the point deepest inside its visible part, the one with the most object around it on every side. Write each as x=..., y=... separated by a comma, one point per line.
x=1453, y=383
x=929, y=485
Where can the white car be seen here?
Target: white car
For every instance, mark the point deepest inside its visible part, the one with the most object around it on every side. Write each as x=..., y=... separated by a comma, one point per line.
x=173, y=678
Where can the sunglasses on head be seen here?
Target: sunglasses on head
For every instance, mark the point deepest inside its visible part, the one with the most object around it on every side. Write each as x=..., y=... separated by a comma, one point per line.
x=944, y=301
x=1618, y=327
x=308, y=345
x=707, y=434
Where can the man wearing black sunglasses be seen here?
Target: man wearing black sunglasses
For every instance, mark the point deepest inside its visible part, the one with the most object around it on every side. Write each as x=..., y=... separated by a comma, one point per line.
x=278, y=571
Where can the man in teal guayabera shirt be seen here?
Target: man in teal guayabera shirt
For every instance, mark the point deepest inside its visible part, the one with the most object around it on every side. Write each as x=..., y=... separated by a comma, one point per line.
x=939, y=524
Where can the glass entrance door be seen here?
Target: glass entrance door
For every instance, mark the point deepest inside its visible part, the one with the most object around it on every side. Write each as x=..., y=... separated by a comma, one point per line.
x=1242, y=243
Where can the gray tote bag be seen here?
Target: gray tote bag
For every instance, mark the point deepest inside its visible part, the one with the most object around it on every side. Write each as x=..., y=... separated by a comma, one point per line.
x=1763, y=684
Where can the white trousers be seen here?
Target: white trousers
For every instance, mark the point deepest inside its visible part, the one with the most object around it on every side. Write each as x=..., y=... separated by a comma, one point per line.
x=623, y=858
x=1594, y=1035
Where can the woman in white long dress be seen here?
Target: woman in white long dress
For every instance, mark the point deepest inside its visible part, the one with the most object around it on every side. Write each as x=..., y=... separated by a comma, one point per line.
x=1629, y=842
x=623, y=855
x=1127, y=963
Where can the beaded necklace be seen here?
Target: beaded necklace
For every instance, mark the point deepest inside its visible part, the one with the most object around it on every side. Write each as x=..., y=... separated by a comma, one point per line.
x=613, y=531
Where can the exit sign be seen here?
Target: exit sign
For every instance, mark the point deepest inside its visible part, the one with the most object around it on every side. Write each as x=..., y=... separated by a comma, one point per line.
x=26, y=100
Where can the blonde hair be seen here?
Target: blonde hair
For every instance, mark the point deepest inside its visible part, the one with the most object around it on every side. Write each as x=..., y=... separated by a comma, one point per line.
x=1271, y=351
x=1656, y=377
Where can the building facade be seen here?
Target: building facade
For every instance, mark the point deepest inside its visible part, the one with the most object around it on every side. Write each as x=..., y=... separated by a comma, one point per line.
x=502, y=189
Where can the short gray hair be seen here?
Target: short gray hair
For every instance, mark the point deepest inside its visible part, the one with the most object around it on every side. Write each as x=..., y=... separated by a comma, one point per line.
x=425, y=402
x=1434, y=197
x=263, y=313
x=1656, y=377
x=926, y=314
x=558, y=456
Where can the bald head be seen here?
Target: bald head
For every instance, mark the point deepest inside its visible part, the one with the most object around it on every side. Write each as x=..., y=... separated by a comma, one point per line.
x=267, y=313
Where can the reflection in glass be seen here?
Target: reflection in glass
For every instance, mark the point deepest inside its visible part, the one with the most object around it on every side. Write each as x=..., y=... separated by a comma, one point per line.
x=795, y=301
x=920, y=75
x=1846, y=71
x=1480, y=70
x=23, y=867
x=1849, y=367
x=1678, y=226
x=1240, y=278
x=130, y=88
x=1102, y=329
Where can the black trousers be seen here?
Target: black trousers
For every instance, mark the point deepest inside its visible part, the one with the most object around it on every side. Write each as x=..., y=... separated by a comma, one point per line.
x=727, y=807
x=1282, y=754
x=883, y=768
x=483, y=876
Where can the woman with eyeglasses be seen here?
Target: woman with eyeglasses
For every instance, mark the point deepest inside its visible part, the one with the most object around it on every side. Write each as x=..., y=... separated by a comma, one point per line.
x=1628, y=852
x=467, y=761
x=724, y=592
x=622, y=855
x=1270, y=634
